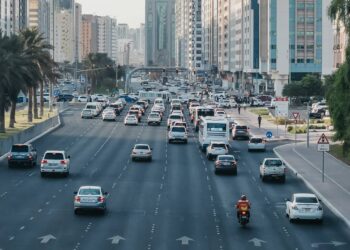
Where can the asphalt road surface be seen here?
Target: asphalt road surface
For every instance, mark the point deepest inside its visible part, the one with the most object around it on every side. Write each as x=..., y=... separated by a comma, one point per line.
x=174, y=202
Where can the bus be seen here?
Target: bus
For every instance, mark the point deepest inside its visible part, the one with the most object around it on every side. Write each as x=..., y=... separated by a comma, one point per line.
x=201, y=111
x=152, y=95
x=213, y=129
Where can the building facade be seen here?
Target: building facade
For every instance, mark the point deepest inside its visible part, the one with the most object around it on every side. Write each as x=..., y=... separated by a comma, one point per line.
x=298, y=42
x=160, y=32
x=210, y=33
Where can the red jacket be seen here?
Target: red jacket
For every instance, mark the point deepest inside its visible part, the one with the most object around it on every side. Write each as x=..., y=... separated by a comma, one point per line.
x=243, y=205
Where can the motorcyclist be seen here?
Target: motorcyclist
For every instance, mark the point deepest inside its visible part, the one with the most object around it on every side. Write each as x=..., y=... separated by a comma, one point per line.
x=243, y=204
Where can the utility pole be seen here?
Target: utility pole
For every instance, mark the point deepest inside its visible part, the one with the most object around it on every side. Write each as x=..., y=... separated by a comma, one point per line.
x=308, y=125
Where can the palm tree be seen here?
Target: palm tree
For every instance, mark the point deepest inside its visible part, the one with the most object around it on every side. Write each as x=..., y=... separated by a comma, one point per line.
x=38, y=48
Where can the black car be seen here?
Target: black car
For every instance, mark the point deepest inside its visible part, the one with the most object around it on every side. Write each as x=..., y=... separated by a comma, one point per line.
x=65, y=98
x=226, y=164
x=318, y=115
x=22, y=155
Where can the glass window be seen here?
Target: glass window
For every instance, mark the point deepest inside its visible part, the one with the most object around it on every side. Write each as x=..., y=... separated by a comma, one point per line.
x=20, y=148
x=306, y=200
x=141, y=147
x=54, y=156
x=272, y=163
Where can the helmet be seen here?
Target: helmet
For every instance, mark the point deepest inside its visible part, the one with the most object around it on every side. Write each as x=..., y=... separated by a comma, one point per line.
x=243, y=197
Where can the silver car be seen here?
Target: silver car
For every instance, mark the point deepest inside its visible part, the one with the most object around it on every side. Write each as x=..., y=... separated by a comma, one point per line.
x=141, y=152
x=90, y=198
x=87, y=113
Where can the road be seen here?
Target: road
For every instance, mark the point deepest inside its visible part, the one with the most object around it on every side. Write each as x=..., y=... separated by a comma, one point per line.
x=174, y=202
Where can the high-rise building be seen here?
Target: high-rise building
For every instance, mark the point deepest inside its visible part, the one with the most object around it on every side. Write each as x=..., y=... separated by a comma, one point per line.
x=9, y=16
x=340, y=45
x=107, y=30
x=78, y=31
x=298, y=41
x=160, y=32
x=181, y=32
x=210, y=33
x=89, y=35
x=123, y=31
x=142, y=38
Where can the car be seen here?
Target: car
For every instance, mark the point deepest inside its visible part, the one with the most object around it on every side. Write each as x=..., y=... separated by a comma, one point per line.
x=131, y=120
x=65, y=98
x=141, y=152
x=240, y=131
x=304, y=206
x=137, y=114
x=177, y=133
x=90, y=198
x=176, y=112
x=87, y=113
x=231, y=122
x=272, y=168
x=109, y=115
x=223, y=103
x=55, y=162
x=179, y=123
x=174, y=117
x=256, y=144
x=22, y=155
x=142, y=103
x=160, y=106
x=83, y=98
x=154, y=118
x=226, y=163
x=158, y=112
x=138, y=108
x=216, y=148
x=220, y=113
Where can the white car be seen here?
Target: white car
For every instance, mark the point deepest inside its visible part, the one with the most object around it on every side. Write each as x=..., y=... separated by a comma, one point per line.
x=141, y=152
x=55, y=161
x=221, y=113
x=272, y=168
x=83, y=98
x=154, y=118
x=109, y=115
x=174, y=117
x=87, y=113
x=304, y=206
x=177, y=133
x=131, y=120
x=256, y=144
x=216, y=148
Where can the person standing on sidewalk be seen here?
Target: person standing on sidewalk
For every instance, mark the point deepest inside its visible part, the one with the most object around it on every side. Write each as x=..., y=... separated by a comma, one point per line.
x=259, y=120
x=239, y=108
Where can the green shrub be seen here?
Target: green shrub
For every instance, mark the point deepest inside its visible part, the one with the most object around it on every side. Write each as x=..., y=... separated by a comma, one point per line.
x=290, y=128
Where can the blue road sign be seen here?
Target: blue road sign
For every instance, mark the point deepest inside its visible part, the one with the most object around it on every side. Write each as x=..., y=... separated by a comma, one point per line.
x=268, y=134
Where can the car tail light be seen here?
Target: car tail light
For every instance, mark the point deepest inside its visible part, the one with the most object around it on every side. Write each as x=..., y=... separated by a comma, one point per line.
x=100, y=199
x=77, y=198
x=234, y=162
x=43, y=161
x=9, y=156
x=30, y=156
x=294, y=207
x=243, y=212
x=218, y=163
x=63, y=162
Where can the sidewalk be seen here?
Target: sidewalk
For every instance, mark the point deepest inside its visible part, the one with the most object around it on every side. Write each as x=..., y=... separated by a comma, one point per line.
x=306, y=163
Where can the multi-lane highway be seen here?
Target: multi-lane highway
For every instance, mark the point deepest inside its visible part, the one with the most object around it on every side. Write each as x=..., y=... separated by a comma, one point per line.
x=174, y=202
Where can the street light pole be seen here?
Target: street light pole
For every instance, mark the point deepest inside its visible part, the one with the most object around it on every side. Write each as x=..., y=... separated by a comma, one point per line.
x=308, y=126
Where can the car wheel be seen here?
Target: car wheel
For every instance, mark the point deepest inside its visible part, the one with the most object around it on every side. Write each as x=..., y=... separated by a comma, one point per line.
x=43, y=174
x=249, y=150
x=320, y=221
x=76, y=211
x=216, y=171
x=291, y=220
x=263, y=178
x=66, y=174
x=235, y=172
x=150, y=159
x=9, y=165
x=185, y=141
x=283, y=179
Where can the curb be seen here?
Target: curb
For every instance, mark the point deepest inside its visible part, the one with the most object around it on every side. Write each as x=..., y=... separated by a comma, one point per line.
x=42, y=134
x=309, y=185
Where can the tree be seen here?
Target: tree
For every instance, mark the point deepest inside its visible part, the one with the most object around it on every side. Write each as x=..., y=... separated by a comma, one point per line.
x=310, y=85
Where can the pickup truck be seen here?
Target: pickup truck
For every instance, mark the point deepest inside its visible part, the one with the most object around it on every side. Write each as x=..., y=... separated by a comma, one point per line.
x=273, y=168
x=22, y=154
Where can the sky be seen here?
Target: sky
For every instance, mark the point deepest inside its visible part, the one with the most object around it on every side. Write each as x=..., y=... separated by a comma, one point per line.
x=131, y=12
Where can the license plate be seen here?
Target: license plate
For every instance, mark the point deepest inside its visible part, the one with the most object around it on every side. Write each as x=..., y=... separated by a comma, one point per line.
x=89, y=200
x=52, y=164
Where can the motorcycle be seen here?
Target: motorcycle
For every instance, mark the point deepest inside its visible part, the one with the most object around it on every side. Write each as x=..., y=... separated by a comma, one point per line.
x=243, y=218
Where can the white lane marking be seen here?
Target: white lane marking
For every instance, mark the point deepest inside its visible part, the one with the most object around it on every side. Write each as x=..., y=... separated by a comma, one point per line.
x=21, y=228
x=114, y=184
x=31, y=174
x=47, y=203
x=254, y=179
x=40, y=210
x=11, y=237
x=260, y=189
x=53, y=196
x=31, y=218
x=267, y=200
x=3, y=194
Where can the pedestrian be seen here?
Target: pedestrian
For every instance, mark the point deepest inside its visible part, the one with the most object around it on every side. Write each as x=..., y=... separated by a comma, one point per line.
x=239, y=108
x=259, y=120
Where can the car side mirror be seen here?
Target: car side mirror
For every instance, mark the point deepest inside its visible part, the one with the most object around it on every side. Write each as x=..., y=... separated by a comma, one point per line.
x=75, y=192
x=68, y=156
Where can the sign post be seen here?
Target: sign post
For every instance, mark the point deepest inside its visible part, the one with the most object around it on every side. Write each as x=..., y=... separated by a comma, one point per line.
x=323, y=146
x=295, y=116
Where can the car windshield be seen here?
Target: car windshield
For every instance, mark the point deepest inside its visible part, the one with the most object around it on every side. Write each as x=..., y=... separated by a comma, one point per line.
x=216, y=127
x=218, y=146
x=226, y=158
x=20, y=148
x=273, y=163
x=205, y=112
x=131, y=117
x=178, y=129
x=145, y=147
x=256, y=140
x=89, y=191
x=87, y=111
x=241, y=127
x=306, y=200
x=175, y=117
x=54, y=156
x=154, y=115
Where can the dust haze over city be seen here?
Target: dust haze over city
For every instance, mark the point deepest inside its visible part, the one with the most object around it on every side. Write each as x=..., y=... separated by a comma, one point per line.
x=207, y=125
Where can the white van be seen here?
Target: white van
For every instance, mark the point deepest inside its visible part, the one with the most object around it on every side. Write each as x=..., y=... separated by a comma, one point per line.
x=95, y=107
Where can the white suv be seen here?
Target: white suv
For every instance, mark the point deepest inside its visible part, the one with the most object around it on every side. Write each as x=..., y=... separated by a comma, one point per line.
x=55, y=161
x=177, y=133
x=154, y=118
x=216, y=148
x=273, y=168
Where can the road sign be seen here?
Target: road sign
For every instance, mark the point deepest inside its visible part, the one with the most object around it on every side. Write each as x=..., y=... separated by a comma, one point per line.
x=268, y=134
x=323, y=144
x=295, y=115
